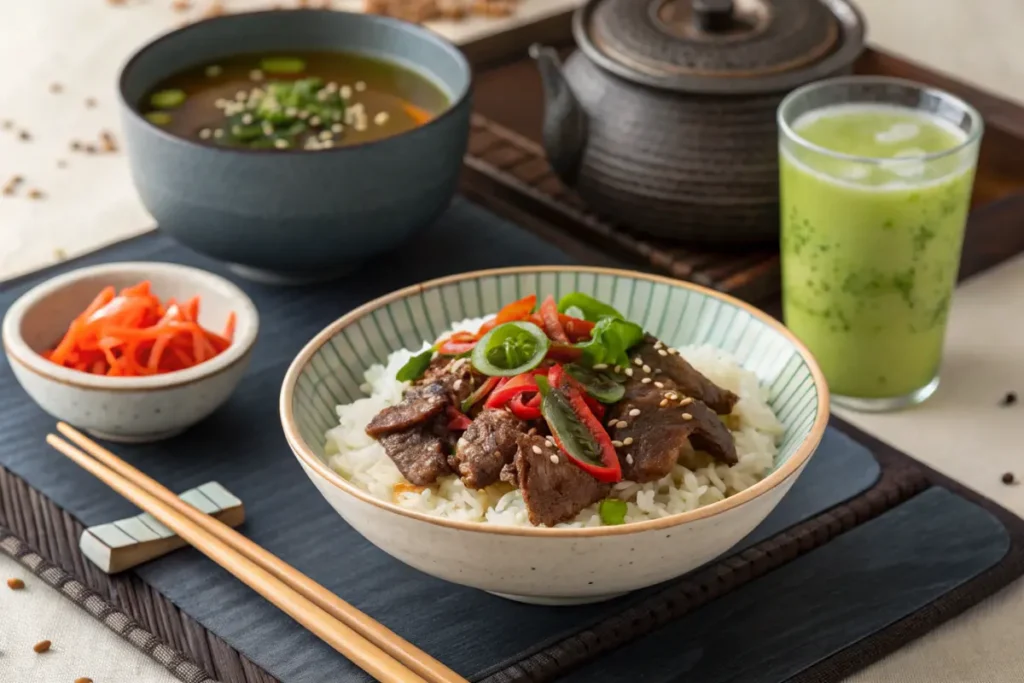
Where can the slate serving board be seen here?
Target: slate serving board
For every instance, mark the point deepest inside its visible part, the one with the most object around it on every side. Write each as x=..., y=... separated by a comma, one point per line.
x=481, y=636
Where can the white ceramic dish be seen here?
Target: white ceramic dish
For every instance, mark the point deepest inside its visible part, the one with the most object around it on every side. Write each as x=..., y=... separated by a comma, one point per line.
x=127, y=408
x=537, y=564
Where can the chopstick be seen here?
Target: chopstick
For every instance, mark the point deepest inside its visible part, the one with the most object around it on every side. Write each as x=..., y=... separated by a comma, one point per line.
x=363, y=640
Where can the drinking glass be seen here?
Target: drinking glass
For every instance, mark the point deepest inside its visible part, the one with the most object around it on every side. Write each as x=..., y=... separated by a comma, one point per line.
x=875, y=180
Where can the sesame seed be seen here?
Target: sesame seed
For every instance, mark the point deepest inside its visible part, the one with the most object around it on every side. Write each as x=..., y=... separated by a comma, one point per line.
x=617, y=444
x=326, y=135
x=659, y=385
x=15, y=584
x=659, y=345
x=360, y=86
x=629, y=372
x=220, y=103
x=35, y=194
x=41, y=647
x=291, y=111
x=25, y=135
x=629, y=458
x=657, y=371
x=361, y=125
x=56, y=88
x=331, y=87
x=345, y=92
x=686, y=401
x=634, y=412
x=381, y=118
x=687, y=416
x=611, y=422
x=303, y=114
x=637, y=361
x=662, y=352
x=247, y=119
x=601, y=366
x=213, y=71
x=533, y=430
x=664, y=402
x=281, y=144
x=618, y=368
x=647, y=369
x=205, y=133
x=268, y=128
x=255, y=75
x=554, y=459
x=549, y=443
x=219, y=133
x=314, y=121
x=673, y=352
x=457, y=384
x=672, y=396
x=90, y=102
x=337, y=128
x=621, y=424
x=646, y=380
x=628, y=441
x=241, y=95
x=537, y=450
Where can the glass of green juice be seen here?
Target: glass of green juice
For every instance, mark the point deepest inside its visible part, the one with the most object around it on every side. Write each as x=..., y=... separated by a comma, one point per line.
x=875, y=182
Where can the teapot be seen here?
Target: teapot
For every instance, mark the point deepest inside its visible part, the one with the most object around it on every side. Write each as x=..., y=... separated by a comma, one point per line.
x=663, y=119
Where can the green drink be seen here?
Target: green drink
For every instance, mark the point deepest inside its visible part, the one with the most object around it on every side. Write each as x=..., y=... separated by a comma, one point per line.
x=875, y=179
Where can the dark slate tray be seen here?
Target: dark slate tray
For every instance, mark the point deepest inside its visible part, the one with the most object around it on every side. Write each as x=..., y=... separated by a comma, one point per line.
x=481, y=636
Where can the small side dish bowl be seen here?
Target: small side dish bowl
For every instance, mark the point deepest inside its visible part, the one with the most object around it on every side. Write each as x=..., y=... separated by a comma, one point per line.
x=294, y=215
x=131, y=409
x=560, y=565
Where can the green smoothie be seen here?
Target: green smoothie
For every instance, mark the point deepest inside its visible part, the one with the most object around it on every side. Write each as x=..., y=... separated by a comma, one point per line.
x=870, y=249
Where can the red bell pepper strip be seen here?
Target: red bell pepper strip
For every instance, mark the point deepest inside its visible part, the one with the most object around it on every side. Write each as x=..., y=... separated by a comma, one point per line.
x=513, y=387
x=611, y=470
x=525, y=411
x=517, y=310
x=457, y=344
x=576, y=329
x=564, y=353
x=457, y=420
x=552, y=325
x=596, y=407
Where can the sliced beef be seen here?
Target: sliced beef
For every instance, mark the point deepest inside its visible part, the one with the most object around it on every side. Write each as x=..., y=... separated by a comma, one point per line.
x=555, y=490
x=418, y=405
x=420, y=453
x=655, y=355
x=656, y=424
x=456, y=375
x=486, y=447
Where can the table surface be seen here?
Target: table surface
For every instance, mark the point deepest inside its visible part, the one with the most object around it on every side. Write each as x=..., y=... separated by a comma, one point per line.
x=961, y=432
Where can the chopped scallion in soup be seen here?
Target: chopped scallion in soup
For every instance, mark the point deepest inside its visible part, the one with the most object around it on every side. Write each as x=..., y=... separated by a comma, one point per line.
x=303, y=100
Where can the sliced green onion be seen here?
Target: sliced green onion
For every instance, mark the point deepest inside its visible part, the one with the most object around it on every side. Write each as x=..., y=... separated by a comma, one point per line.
x=510, y=349
x=604, y=386
x=612, y=511
x=167, y=99
x=159, y=118
x=282, y=65
x=415, y=366
x=592, y=309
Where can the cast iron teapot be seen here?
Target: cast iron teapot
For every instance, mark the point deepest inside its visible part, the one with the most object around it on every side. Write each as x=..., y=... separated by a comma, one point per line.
x=664, y=118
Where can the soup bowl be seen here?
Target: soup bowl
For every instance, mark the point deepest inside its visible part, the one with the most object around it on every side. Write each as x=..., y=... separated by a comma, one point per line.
x=560, y=565
x=297, y=215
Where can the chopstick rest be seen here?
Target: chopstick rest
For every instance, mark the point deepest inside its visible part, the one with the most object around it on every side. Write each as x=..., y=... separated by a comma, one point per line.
x=127, y=543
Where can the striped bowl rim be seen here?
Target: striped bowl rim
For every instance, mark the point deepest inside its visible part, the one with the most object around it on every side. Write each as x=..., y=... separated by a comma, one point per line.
x=313, y=463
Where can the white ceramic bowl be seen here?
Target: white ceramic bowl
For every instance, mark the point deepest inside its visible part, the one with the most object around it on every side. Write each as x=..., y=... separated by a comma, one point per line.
x=127, y=408
x=539, y=564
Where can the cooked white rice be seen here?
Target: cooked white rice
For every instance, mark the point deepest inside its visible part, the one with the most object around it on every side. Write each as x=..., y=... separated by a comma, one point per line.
x=362, y=460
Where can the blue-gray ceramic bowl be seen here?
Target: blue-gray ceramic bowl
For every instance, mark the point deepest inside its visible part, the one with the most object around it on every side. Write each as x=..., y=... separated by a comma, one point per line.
x=297, y=215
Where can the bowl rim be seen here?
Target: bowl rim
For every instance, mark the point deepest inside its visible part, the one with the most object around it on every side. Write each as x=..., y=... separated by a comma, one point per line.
x=312, y=463
x=457, y=103
x=19, y=351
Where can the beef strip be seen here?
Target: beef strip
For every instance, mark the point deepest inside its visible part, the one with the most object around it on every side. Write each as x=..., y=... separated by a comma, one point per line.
x=655, y=355
x=420, y=453
x=488, y=445
x=456, y=375
x=554, y=491
x=418, y=405
x=656, y=435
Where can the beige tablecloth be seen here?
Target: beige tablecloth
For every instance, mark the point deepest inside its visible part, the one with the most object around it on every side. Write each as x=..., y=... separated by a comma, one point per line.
x=80, y=43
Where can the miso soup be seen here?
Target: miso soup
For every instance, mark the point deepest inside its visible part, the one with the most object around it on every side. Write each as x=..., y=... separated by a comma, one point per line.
x=298, y=100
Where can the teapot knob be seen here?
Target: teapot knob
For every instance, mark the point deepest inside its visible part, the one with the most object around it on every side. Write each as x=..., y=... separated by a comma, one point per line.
x=713, y=15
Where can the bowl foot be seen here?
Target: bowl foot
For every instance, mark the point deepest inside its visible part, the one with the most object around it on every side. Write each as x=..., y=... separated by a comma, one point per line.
x=290, y=278
x=136, y=438
x=556, y=601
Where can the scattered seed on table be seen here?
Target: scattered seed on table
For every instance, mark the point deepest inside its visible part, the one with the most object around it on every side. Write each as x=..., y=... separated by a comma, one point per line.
x=1009, y=399
x=83, y=679
x=35, y=194
x=107, y=142
x=42, y=646
x=90, y=102
x=89, y=149
x=180, y=5
x=56, y=88
x=11, y=186
x=15, y=584
x=60, y=255
x=1008, y=478
x=8, y=124
x=24, y=136
x=76, y=146
x=61, y=163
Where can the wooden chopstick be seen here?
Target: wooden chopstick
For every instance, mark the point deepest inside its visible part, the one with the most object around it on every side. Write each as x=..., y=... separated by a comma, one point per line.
x=346, y=640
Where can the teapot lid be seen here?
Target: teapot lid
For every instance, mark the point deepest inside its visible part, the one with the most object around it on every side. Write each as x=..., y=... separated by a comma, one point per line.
x=721, y=46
